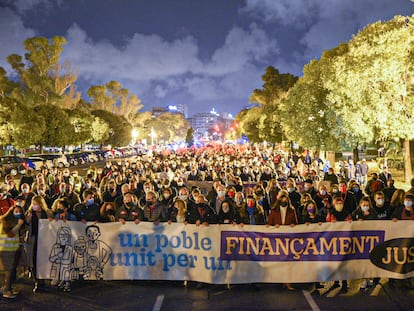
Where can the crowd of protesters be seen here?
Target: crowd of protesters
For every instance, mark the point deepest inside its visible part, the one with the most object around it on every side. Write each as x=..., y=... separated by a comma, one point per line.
x=202, y=186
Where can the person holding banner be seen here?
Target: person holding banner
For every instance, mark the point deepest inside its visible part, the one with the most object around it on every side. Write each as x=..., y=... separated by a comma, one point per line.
x=365, y=211
x=406, y=211
x=202, y=213
x=228, y=214
x=311, y=213
x=11, y=228
x=37, y=210
x=153, y=210
x=252, y=213
x=338, y=213
x=283, y=213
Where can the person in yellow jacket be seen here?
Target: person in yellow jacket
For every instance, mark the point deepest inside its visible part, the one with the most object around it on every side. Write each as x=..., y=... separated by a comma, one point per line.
x=11, y=227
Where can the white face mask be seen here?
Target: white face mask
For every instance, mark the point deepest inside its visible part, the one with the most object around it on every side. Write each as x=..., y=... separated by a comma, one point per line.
x=365, y=208
x=408, y=203
x=226, y=209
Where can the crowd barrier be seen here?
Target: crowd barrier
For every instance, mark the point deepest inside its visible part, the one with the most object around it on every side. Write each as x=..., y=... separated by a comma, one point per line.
x=226, y=254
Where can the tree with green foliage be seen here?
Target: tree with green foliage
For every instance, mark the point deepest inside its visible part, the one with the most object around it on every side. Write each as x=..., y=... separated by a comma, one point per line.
x=309, y=118
x=120, y=131
x=39, y=84
x=189, y=137
x=248, y=119
x=275, y=87
x=372, y=84
x=116, y=99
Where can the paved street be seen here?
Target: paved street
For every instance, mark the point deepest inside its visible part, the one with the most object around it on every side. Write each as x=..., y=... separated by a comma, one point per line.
x=163, y=295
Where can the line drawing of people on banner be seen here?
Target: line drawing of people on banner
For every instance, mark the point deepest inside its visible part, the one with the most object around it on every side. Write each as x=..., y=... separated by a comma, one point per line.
x=61, y=257
x=80, y=259
x=98, y=253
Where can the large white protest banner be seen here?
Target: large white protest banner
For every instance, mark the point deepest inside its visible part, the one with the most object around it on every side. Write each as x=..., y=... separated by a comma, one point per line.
x=226, y=254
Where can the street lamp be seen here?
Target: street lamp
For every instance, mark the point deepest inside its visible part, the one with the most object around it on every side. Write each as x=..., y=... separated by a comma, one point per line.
x=134, y=134
x=153, y=135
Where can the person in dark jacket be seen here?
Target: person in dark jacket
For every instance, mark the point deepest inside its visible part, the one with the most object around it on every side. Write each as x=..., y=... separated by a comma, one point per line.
x=201, y=213
x=129, y=210
x=228, y=214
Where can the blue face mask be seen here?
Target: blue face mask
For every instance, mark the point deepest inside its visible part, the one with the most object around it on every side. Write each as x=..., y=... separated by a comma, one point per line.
x=90, y=201
x=18, y=215
x=356, y=189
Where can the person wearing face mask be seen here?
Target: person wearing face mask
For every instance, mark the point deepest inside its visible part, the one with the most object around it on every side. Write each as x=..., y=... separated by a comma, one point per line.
x=37, y=210
x=5, y=201
x=179, y=212
x=309, y=188
x=12, y=226
x=65, y=192
x=323, y=199
x=283, y=213
x=349, y=198
x=111, y=192
x=167, y=199
x=365, y=211
x=406, y=211
x=60, y=209
x=294, y=195
x=381, y=206
x=219, y=198
x=154, y=211
x=331, y=176
x=311, y=214
x=26, y=178
x=228, y=214
x=201, y=213
x=129, y=210
x=107, y=212
x=335, y=214
x=26, y=191
x=355, y=188
x=41, y=190
x=88, y=210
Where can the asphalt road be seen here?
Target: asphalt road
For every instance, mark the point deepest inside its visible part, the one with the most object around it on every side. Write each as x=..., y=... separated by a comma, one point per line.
x=163, y=295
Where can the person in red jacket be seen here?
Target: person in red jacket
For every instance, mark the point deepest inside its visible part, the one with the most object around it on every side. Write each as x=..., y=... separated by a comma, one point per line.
x=283, y=213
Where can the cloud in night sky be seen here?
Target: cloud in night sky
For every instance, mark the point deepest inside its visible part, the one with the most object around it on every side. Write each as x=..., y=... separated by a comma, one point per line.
x=190, y=66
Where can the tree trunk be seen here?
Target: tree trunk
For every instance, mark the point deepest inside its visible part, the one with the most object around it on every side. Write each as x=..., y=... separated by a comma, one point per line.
x=408, y=173
x=41, y=149
x=355, y=153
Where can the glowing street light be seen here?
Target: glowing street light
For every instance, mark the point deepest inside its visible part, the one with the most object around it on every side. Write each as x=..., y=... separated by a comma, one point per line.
x=153, y=135
x=134, y=134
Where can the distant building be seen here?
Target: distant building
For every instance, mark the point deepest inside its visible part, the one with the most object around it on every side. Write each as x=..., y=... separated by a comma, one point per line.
x=202, y=122
x=180, y=108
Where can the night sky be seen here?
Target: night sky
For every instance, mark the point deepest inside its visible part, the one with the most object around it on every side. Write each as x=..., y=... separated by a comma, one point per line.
x=205, y=54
